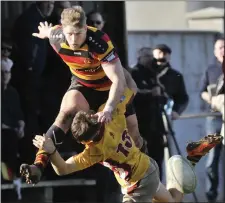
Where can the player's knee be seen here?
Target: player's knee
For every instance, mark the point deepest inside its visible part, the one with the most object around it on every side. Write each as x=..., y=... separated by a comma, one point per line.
x=65, y=118
x=74, y=100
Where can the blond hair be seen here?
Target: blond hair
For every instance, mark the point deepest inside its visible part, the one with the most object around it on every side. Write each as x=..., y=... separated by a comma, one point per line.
x=74, y=16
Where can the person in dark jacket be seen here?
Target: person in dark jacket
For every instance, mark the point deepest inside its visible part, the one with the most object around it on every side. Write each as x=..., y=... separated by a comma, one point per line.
x=170, y=80
x=29, y=57
x=12, y=123
x=157, y=82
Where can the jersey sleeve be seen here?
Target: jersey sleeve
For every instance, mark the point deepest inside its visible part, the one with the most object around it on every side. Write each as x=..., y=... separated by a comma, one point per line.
x=56, y=37
x=101, y=46
x=87, y=158
x=110, y=53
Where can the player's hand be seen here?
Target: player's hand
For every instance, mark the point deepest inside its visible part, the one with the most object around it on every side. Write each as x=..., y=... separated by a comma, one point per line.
x=44, y=30
x=45, y=143
x=217, y=102
x=31, y=173
x=104, y=116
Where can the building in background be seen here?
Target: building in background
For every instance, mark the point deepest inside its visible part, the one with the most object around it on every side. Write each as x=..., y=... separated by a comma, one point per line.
x=175, y=15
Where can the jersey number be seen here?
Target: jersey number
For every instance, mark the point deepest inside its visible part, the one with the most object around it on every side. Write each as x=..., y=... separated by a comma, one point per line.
x=123, y=147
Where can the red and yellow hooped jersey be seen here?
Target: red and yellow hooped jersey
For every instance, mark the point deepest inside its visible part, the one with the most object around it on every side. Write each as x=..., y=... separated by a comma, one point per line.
x=85, y=62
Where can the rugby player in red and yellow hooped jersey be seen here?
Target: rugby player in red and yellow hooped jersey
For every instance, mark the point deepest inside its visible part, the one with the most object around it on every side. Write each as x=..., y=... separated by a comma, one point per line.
x=98, y=76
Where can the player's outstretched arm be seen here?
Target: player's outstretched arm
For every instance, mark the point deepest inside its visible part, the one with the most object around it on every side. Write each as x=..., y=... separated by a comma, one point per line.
x=60, y=166
x=44, y=30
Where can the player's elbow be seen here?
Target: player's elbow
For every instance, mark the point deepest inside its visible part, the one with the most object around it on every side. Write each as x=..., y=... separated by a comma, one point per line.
x=61, y=171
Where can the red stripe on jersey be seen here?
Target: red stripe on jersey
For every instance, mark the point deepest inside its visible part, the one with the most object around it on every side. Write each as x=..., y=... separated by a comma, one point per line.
x=105, y=37
x=76, y=59
x=95, y=85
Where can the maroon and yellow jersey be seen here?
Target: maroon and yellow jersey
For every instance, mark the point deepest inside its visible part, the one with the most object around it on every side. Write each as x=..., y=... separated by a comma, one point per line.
x=116, y=150
x=85, y=62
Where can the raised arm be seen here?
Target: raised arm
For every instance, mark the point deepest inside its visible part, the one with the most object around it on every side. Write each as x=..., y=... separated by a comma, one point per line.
x=44, y=30
x=75, y=163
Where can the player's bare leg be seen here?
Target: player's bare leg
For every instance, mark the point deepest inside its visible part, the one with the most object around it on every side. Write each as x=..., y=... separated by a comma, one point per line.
x=168, y=195
x=72, y=102
x=195, y=150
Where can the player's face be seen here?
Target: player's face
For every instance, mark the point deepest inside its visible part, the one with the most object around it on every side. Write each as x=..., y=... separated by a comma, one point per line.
x=75, y=36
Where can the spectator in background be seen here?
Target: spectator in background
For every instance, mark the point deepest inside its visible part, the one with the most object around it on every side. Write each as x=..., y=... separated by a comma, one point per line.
x=171, y=81
x=147, y=106
x=95, y=19
x=29, y=55
x=217, y=102
x=213, y=124
x=157, y=82
x=12, y=122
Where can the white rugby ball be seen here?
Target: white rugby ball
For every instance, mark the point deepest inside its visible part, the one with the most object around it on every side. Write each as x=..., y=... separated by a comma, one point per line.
x=182, y=172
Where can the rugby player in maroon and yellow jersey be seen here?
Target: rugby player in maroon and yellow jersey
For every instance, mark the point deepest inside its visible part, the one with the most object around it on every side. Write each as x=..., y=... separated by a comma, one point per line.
x=98, y=77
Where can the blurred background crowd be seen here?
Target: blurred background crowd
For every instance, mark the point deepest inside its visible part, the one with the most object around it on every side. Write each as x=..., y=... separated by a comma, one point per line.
x=175, y=71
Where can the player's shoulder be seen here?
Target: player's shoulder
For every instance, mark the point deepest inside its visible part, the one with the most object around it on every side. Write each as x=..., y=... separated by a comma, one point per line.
x=97, y=40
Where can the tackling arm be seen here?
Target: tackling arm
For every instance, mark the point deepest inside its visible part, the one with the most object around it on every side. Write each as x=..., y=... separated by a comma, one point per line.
x=75, y=163
x=114, y=72
x=60, y=166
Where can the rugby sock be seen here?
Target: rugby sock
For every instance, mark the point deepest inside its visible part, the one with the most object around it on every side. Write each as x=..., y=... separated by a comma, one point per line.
x=194, y=160
x=196, y=150
x=57, y=135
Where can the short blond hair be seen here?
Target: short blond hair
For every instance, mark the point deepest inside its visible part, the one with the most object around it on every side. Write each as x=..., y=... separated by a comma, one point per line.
x=74, y=16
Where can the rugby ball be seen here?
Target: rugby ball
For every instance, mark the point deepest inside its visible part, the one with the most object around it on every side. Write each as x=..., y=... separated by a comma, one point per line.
x=181, y=173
